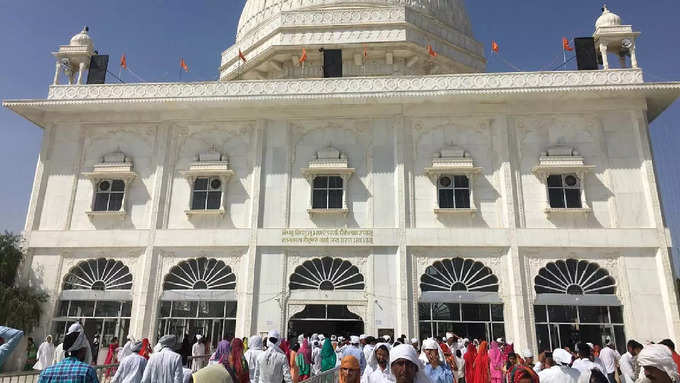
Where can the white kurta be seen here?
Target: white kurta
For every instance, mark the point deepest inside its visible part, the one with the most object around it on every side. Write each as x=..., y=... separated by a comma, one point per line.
x=251, y=357
x=164, y=366
x=583, y=365
x=559, y=374
x=131, y=369
x=45, y=356
x=380, y=376
x=626, y=365
x=272, y=367
x=196, y=350
x=316, y=360
x=125, y=350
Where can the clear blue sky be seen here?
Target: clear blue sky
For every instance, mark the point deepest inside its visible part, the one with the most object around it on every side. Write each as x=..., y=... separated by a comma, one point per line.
x=155, y=33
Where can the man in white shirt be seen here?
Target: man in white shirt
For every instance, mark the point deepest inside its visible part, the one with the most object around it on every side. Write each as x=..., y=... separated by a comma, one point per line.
x=164, y=366
x=628, y=361
x=131, y=369
x=557, y=368
x=255, y=349
x=586, y=360
x=610, y=357
x=272, y=365
x=379, y=361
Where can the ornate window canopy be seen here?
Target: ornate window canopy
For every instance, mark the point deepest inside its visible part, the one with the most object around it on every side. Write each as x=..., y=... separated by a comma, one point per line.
x=459, y=280
x=99, y=279
x=200, y=279
x=563, y=161
x=211, y=165
x=328, y=162
x=114, y=166
x=326, y=274
x=449, y=162
x=574, y=282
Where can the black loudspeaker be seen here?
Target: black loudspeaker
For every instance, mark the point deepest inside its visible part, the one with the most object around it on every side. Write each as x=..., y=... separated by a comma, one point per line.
x=332, y=63
x=98, y=67
x=586, y=57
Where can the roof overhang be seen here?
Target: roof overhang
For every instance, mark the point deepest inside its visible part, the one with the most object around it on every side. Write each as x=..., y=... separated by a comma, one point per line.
x=482, y=87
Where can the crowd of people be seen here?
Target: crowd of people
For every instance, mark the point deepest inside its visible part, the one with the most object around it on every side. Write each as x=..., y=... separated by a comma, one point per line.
x=358, y=359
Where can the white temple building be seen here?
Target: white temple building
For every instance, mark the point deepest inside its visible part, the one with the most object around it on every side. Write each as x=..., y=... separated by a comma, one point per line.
x=374, y=187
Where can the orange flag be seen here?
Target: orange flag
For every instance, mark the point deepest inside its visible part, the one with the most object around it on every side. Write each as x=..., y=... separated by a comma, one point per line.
x=241, y=55
x=431, y=51
x=183, y=64
x=495, y=47
x=303, y=58
x=565, y=45
x=123, y=62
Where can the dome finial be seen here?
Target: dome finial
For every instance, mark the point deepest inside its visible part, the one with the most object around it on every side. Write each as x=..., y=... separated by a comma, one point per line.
x=604, y=8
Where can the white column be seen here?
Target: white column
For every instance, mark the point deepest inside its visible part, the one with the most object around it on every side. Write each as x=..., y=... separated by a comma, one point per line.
x=633, y=57
x=55, y=81
x=81, y=70
x=603, y=51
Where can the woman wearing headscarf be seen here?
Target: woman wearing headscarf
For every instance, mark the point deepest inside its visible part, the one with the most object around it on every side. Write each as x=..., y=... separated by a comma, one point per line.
x=254, y=351
x=111, y=356
x=469, y=358
x=496, y=363
x=285, y=347
x=328, y=357
x=238, y=362
x=45, y=354
x=219, y=370
x=303, y=361
x=350, y=371
x=481, y=365
x=294, y=372
x=221, y=354
x=146, y=350
x=523, y=374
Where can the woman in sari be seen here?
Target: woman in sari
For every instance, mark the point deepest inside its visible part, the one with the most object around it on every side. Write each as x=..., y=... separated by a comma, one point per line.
x=328, y=357
x=303, y=361
x=285, y=347
x=522, y=374
x=481, y=366
x=238, y=362
x=111, y=356
x=496, y=363
x=469, y=358
x=294, y=372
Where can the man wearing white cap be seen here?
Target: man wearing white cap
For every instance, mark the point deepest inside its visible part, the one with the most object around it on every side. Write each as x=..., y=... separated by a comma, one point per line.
x=387, y=338
x=658, y=365
x=416, y=344
x=73, y=368
x=405, y=365
x=436, y=368
x=131, y=369
x=197, y=351
x=255, y=349
x=354, y=350
x=164, y=366
x=528, y=357
x=557, y=368
x=273, y=366
x=449, y=349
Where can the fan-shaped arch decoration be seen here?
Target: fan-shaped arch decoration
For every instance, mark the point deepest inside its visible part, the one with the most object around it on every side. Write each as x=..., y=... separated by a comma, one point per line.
x=200, y=274
x=98, y=274
x=327, y=274
x=574, y=277
x=458, y=274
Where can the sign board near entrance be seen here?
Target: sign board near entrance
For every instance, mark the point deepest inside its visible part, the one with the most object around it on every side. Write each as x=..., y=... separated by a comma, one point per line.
x=327, y=236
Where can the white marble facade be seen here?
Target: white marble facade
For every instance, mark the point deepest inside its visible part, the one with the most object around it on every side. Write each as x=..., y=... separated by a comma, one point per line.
x=388, y=129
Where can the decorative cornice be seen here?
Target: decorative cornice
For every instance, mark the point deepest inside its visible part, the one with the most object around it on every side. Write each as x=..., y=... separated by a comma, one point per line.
x=527, y=82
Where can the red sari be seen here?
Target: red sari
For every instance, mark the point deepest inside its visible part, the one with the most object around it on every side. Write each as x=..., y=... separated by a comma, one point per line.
x=469, y=358
x=111, y=358
x=481, y=374
x=146, y=349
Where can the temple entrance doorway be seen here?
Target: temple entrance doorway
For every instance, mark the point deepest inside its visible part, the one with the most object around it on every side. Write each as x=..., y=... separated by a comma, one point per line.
x=325, y=319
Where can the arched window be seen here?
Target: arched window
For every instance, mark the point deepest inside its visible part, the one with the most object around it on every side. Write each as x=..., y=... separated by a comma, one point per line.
x=461, y=296
x=326, y=274
x=200, y=274
x=97, y=292
x=575, y=278
x=98, y=274
x=199, y=298
x=458, y=274
x=576, y=302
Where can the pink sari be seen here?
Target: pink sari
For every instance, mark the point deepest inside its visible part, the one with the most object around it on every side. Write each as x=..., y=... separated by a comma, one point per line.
x=496, y=363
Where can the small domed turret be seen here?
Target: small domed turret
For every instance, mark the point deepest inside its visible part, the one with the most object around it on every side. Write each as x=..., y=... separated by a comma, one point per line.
x=607, y=19
x=82, y=39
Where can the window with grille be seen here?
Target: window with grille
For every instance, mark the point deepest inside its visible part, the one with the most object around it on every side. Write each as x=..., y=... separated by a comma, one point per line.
x=109, y=195
x=454, y=192
x=564, y=191
x=327, y=192
x=207, y=194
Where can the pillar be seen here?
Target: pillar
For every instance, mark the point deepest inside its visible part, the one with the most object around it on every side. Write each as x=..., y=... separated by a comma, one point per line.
x=81, y=70
x=603, y=51
x=633, y=57
x=55, y=81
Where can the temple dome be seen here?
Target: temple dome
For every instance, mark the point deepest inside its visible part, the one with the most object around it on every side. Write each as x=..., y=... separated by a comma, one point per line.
x=258, y=12
x=607, y=19
x=82, y=39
